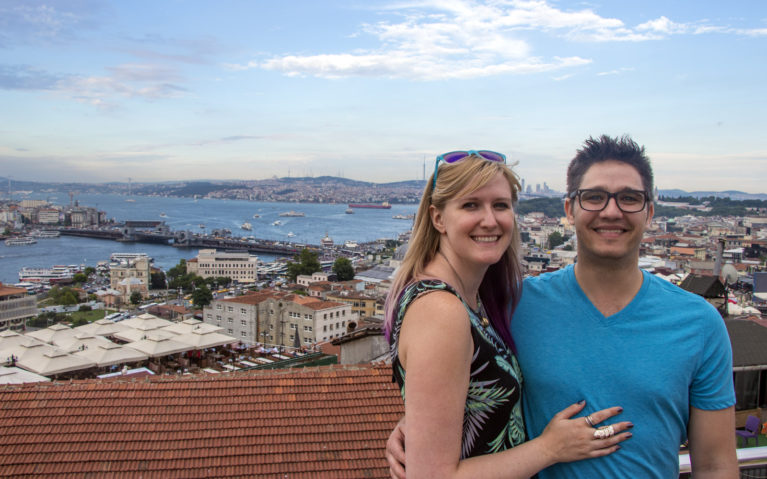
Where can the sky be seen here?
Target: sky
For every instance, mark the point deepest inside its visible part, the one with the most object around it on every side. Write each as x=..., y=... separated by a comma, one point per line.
x=98, y=91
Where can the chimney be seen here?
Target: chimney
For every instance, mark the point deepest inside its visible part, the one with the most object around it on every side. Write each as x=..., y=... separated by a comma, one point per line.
x=719, y=254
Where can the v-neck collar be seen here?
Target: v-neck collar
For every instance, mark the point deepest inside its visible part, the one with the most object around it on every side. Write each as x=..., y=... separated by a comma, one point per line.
x=595, y=312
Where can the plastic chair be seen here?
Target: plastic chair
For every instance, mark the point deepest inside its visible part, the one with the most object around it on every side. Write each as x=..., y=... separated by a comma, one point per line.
x=751, y=429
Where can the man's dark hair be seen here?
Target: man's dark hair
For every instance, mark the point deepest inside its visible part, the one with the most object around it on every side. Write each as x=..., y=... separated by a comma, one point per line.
x=606, y=148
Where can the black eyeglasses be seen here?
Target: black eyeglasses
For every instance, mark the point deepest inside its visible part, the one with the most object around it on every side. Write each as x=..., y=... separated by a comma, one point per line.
x=628, y=201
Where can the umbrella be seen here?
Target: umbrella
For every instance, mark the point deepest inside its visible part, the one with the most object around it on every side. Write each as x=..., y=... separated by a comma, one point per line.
x=109, y=354
x=189, y=325
x=53, y=333
x=130, y=335
x=146, y=322
x=54, y=362
x=156, y=345
x=102, y=327
x=202, y=340
x=81, y=341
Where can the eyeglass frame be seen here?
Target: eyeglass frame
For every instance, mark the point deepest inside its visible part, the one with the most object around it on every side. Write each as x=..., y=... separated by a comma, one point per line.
x=469, y=153
x=614, y=196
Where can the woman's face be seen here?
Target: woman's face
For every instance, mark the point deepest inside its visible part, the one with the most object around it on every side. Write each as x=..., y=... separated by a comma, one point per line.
x=477, y=227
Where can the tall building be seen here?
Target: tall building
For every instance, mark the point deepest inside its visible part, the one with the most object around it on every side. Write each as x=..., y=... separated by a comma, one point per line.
x=16, y=305
x=129, y=274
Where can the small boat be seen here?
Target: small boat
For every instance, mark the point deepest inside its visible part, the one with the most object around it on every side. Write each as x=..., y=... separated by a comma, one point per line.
x=277, y=223
x=349, y=211
x=21, y=241
x=163, y=215
x=201, y=225
x=256, y=216
x=130, y=200
x=246, y=226
x=292, y=213
x=403, y=217
x=291, y=234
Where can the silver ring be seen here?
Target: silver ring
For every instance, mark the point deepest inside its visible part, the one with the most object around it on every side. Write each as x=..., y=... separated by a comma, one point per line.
x=590, y=420
x=604, y=432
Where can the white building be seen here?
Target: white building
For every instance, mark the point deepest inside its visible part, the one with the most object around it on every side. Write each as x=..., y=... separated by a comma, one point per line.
x=137, y=269
x=238, y=266
x=16, y=305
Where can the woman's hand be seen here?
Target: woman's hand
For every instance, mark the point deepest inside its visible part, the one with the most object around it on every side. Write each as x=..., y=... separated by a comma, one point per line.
x=569, y=439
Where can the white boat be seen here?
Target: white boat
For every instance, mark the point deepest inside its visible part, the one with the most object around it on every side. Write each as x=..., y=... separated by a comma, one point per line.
x=55, y=274
x=163, y=215
x=201, y=225
x=291, y=234
x=46, y=234
x=256, y=216
x=349, y=211
x=292, y=213
x=277, y=223
x=351, y=244
x=23, y=241
x=246, y=226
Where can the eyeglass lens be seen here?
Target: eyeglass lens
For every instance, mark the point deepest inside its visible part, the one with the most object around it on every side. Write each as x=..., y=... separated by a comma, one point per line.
x=630, y=201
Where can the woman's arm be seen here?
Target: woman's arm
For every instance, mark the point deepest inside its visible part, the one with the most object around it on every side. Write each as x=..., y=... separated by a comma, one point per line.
x=435, y=348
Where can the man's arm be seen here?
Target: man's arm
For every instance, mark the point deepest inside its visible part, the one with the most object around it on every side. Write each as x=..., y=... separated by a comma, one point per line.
x=712, y=444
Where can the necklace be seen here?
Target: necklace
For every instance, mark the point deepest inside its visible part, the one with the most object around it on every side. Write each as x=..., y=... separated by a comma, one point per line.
x=480, y=309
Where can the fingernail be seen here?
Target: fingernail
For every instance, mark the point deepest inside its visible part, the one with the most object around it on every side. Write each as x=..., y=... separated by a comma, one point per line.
x=582, y=401
x=628, y=435
x=620, y=409
x=630, y=426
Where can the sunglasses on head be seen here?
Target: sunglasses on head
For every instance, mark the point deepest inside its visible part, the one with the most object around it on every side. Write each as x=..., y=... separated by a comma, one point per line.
x=456, y=156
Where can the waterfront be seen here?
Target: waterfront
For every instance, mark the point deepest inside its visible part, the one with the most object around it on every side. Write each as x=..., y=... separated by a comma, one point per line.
x=188, y=214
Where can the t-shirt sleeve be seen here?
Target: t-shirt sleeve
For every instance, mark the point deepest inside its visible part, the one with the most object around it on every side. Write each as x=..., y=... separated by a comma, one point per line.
x=712, y=387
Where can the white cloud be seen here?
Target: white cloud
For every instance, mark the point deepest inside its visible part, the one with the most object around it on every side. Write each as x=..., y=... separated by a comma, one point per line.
x=435, y=40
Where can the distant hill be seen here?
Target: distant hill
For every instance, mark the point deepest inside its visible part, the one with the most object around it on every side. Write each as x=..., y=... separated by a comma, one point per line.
x=732, y=194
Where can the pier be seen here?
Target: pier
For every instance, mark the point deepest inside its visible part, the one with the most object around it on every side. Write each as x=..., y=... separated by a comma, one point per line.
x=158, y=232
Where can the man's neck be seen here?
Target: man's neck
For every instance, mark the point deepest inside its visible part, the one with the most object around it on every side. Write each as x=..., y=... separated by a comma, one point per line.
x=610, y=285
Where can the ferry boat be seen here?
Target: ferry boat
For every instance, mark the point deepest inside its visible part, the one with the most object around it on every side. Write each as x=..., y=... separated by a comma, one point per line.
x=56, y=274
x=46, y=234
x=21, y=241
x=383, y=206
x=403, y=217
x=246, y=226
x=350, y=244
x=292, y=213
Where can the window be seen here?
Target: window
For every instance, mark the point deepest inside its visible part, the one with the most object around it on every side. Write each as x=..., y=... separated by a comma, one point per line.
x=231, y=320
x=218, y=306
x=242, y=333
x=230, y=331
x=243, y=311
x=243, y=322
x=325, y=328
x=218, y=318
x=209, y=316
x=230, y=309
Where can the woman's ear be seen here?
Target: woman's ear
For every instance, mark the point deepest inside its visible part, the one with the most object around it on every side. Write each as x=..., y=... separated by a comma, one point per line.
x=437, y=219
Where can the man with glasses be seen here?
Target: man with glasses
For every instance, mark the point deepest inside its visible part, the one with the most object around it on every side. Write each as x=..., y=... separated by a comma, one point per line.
x=606, y=332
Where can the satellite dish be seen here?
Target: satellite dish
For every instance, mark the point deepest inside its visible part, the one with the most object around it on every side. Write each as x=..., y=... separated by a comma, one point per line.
x=729, y=274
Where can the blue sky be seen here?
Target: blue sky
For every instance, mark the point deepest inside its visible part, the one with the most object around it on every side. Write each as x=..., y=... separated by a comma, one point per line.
x=371, y=90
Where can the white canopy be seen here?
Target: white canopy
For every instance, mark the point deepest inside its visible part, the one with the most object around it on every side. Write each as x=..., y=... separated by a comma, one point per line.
x=10, y=339
x=53, y=333
x=54, y=362
x=30, y=347
x=81, y=341
x=110, y=353
x=19, y=376
x=156, y=345
x=102, y=327
x=201, y=339
x=189, y=325
x=131, y=335
x=146, y=322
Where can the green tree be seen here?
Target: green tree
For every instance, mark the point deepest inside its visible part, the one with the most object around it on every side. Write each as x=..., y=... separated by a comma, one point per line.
x=80, y=278
x=202, y=296
x=135, y=297
x=178, y=270
x=555, y=239
x=89, y=270
x=306, y=263
x=343, y=269
x=68, y=298
x=157, y=280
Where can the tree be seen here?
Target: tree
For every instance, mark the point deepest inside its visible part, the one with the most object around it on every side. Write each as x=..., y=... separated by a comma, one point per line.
x=80, y=278
x=555, y=239
x=343, y=269
x=307, y=263
x=178, y=270
x=135, y=297
x=202, y=296
x=89, y=270
x=157, y=280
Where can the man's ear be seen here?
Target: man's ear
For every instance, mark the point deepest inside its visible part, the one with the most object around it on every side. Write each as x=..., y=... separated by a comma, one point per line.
x=650, y=213
x=569, y=204
x=437, y=219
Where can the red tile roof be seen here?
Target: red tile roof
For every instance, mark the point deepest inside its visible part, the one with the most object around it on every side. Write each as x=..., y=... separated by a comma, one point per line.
x=311, y=423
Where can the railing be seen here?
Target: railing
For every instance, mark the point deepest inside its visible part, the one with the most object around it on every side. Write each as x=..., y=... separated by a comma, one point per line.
x=752, y=462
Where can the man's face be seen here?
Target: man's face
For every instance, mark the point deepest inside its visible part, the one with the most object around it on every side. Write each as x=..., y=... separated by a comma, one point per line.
x=610, y=233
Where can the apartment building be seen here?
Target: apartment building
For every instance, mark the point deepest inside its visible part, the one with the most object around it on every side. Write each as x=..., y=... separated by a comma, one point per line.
x=362, y=305
x=16, y=305
x=239, y=266
x=282, y=319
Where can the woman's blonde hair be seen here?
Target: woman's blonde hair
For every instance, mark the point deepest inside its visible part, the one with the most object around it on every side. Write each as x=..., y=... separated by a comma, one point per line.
x=501, y=287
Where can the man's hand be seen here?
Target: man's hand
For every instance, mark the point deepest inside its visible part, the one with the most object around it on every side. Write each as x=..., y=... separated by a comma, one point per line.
x=395, y=451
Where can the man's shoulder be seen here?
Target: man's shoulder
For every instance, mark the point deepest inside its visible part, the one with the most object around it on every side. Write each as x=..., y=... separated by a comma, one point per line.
x=675, y=298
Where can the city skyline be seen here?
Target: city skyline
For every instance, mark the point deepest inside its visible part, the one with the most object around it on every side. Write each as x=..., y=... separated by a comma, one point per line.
x=99, y=92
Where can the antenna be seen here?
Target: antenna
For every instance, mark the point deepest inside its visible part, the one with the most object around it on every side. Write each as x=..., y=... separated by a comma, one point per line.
x=729, y=274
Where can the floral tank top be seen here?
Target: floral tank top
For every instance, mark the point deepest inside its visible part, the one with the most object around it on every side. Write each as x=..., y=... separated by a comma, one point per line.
x=492, y=418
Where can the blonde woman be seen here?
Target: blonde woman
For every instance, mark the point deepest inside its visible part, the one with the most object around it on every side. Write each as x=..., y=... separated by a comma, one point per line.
x=447, y=317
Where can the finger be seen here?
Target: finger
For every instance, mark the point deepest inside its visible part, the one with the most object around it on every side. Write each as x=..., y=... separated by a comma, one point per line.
x=611, y=442
x=599, y=416
x=570, y=410
x=396, y=469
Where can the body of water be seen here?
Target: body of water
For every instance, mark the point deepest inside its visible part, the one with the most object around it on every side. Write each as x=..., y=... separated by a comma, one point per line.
x=189, y=214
